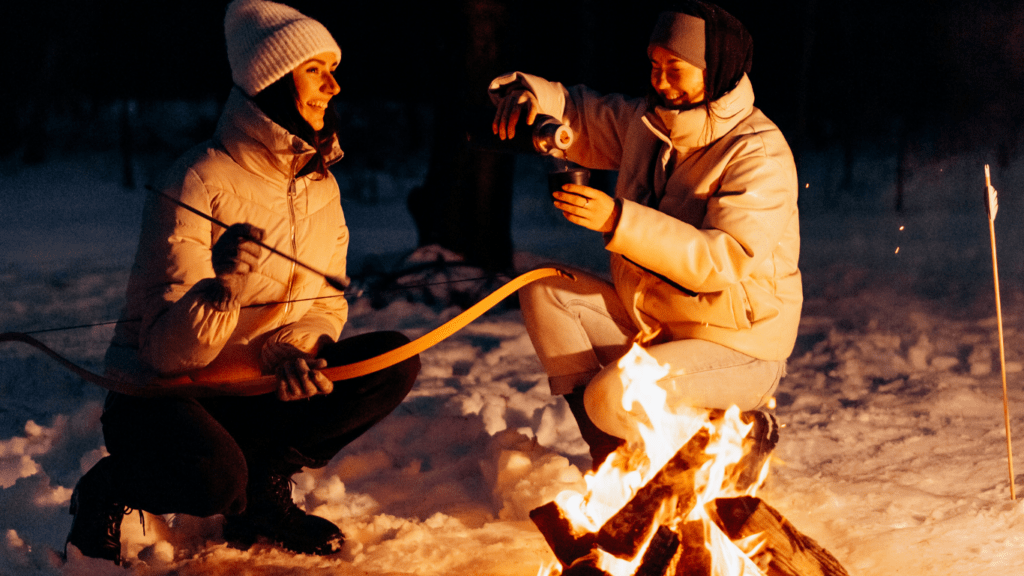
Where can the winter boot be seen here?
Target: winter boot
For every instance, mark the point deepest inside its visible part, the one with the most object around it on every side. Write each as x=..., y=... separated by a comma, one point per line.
x=757, y=446
x=600, y=442
x=96, y=528
x=271, y=514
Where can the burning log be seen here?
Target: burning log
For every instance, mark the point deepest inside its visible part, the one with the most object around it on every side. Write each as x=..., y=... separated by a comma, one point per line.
x=670, y=552
x=724, y=457
x=693, y=557
x=789, y=553
x=586, y=566
x=659, y=553
x=625, y=532
x=681, y=553
x=560, y=534
x=681, y=550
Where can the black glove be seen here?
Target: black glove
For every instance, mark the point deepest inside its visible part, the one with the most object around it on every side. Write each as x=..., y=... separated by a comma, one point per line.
x=234, y=256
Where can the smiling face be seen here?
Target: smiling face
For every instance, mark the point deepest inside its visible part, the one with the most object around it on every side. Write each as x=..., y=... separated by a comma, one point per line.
x=315, y=86
x=678, y=82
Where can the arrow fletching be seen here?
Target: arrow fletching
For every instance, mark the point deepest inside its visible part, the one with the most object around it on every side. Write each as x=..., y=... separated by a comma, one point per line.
x=991, y=196
x=337, y=282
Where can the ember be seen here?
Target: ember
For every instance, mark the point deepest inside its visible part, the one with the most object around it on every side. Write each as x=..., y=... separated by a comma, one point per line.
x=680, y=498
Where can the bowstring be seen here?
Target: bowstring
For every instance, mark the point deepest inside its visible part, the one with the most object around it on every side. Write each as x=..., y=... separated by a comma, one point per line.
x=361, y=294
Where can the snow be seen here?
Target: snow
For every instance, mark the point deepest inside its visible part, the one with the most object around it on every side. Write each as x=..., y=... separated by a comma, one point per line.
x=893, y=454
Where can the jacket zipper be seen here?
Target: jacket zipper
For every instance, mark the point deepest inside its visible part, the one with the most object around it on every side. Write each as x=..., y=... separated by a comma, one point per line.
x=295, y=249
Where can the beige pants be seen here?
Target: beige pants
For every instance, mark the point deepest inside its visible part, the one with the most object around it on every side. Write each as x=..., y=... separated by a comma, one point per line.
x=580, y=329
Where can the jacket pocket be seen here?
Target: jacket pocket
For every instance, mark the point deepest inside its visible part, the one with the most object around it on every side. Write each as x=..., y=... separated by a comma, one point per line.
x=728, y=308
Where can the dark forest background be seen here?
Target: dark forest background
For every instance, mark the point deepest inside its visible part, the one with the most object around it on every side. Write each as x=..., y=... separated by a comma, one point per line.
x=891, y=77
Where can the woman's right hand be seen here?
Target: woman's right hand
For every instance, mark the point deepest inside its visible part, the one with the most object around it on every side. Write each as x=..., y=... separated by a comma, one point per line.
x=234, y=256
x=301, y=378
x=509, y=109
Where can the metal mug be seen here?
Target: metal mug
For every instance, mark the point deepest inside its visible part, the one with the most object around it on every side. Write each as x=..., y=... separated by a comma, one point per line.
x=579, y=176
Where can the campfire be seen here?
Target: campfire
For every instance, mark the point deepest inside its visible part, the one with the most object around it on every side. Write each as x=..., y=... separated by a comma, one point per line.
x=680, y=499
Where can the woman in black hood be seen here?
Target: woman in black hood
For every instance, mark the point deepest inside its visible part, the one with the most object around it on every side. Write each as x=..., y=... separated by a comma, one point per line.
x=702, y=232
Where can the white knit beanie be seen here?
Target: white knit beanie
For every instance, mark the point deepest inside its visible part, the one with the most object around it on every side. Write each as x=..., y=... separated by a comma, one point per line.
x=267, y=40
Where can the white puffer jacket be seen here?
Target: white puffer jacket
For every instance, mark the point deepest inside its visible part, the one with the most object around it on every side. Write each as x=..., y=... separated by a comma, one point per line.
x=244, y=174
x=715, y=255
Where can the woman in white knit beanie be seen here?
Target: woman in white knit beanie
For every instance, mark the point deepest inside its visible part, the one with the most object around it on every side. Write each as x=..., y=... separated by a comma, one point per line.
x=214, y=306
x=267, y=42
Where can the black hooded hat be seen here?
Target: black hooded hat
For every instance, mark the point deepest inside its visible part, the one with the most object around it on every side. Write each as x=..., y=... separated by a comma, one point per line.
x=728, y=47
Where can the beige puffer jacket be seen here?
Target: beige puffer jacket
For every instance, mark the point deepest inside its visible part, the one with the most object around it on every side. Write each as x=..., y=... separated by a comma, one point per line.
x=717, y=258
x=244, y=174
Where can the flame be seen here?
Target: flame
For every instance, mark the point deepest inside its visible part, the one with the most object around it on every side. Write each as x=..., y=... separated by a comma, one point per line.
x=661, y=434
x=628, y=469
x=549, y=568
x=726, y=558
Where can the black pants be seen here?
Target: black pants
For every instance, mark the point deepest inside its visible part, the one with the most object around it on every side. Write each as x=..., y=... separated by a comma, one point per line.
x=192, y=455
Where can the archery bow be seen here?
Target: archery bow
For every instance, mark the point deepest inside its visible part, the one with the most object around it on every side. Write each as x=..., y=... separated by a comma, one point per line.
x=187, y=386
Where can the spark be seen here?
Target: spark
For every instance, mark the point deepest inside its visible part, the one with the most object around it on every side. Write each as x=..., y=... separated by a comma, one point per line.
x=897, y=250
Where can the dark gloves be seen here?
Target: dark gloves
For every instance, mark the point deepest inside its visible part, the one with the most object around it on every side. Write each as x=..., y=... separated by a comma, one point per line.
x=234, y=256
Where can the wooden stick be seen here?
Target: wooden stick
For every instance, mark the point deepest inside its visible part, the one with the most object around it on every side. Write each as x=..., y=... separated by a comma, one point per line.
x=990, y=208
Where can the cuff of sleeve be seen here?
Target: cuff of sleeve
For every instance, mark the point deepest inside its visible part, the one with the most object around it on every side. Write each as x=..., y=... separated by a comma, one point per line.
x=617, y=215
x=613, y=241
x=551, y=96
x=306, y=336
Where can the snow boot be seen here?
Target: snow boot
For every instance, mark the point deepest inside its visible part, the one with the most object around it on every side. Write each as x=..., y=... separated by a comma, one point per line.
x=271, y=514
x=601, y=443
x=96, y=527
x=757, y=446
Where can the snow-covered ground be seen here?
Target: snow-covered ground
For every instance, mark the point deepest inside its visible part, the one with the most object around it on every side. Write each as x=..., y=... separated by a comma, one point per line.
x=893, y=455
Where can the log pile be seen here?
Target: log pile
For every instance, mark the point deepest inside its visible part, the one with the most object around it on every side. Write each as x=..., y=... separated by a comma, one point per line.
x=680, y=550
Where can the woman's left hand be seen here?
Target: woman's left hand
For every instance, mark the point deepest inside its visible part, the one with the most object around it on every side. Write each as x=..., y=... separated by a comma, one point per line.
x=587, y=207
x=301, y=378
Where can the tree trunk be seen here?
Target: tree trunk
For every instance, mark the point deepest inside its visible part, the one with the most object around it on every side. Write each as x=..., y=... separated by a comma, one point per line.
x=127, y=139
x=465, y=203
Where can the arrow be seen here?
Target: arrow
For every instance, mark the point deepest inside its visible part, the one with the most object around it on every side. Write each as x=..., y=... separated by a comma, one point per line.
x=991, y=207
x=336, y=282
